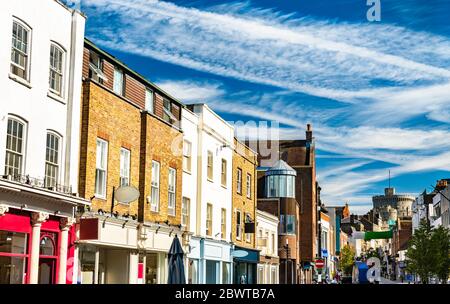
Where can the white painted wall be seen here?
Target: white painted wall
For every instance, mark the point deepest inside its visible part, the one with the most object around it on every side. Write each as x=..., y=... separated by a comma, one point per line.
x=215, y=135
x=266, y=222
x=49, y=21
x=189, y=125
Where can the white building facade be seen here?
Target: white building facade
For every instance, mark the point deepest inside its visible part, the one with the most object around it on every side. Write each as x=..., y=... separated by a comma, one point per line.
x=41, y=62
x=209, y=188
x=267, y=243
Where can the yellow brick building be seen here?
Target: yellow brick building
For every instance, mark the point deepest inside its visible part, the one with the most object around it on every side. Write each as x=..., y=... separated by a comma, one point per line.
x=244, y=212
x=130, y=136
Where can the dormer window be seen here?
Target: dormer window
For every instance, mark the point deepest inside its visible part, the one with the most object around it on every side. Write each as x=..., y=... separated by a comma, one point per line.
x=96, y=68
x=167, y=111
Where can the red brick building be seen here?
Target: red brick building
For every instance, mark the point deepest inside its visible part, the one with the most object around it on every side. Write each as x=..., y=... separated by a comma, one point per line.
x=300, y=156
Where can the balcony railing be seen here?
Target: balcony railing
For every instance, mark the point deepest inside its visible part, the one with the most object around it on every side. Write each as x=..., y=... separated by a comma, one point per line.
x=38, y=183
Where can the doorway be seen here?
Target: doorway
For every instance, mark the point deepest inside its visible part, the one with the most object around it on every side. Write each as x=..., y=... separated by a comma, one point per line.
x=46, y=271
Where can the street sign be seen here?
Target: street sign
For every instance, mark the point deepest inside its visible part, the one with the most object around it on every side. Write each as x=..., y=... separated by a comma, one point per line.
x=319, y=263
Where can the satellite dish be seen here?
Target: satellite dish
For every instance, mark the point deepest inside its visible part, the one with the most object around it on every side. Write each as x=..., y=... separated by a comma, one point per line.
x=126, y=194
x=239, y=253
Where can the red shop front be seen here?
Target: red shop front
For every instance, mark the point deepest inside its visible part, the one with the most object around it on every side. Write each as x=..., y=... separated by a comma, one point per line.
x=34, y=246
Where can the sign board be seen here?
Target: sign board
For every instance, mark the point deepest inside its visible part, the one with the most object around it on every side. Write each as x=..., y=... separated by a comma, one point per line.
x=319, y=263
x=126, y=194
x=89, y=229
x=239, y=253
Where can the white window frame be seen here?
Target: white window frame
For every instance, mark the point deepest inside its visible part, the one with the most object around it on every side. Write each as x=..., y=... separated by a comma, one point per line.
x=119, y=82
x=238, y=224
x=59, y=71
x=239, y=181
x=223, y=223
x=172, y=188
x=248, y=236
x=101, y=165
x=156, y=172
x=125, y=167
x=249, y=185
x=185, y=212
x=96, y=68
x=209, y=219
x=223, y=172
x=14, y=152
x=52, y=163
x=210, y=166
x=187, y=156
x=149, y=104
x=26, y=53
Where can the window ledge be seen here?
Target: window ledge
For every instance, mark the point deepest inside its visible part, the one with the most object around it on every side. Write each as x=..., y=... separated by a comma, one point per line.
x=56, y=97
x=20, y=80
x=187, y=172
x=103, y=198
x=224, y=186
x=209, y=180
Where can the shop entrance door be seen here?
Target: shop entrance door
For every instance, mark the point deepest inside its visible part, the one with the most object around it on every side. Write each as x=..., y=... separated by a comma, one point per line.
x=46, y=271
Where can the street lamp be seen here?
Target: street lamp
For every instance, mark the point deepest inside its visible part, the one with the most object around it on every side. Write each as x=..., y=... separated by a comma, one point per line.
x=288, y=259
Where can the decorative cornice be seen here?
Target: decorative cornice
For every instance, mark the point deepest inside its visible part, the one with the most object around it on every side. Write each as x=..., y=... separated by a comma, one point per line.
x=3, y=209
x=66, y=222
x=38, y=218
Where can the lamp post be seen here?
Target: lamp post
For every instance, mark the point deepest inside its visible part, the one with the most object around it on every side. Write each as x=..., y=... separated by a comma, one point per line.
x=288, y=258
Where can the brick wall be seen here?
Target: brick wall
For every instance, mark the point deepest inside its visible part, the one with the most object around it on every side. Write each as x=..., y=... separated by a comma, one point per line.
x=244, y=159
x=122, y=124
x=161, y=145
x=107, y=116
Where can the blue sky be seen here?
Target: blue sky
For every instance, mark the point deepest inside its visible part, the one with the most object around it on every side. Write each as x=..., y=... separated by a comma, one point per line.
x=376, y=93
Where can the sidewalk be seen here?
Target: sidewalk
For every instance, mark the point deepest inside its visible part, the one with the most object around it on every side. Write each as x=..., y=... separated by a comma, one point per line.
x=387, y=281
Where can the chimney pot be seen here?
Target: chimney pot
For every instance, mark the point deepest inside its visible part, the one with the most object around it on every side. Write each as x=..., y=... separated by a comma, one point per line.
x=309, y=136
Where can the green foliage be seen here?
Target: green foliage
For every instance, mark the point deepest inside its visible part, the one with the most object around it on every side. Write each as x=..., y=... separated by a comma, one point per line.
x=428, y=252
x=441, y=243
x=347, y=259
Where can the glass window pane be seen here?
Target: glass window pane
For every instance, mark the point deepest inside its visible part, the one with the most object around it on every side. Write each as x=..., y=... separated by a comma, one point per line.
x=12, y=270
x=149, y=100
x=46, y=246
x=13, y=242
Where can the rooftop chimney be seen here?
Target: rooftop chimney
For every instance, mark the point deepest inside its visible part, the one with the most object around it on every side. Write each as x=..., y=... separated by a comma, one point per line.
x=309, y=136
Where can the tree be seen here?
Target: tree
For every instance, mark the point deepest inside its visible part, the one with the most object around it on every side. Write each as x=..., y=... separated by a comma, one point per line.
x=421, y=253
x=441, y=244
x=347, y=259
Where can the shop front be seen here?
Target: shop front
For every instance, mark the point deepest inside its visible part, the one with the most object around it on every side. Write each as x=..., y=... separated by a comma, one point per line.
x=245, y=263
x=36, y=234
x=154, y=244
x=209, y=262
x=107, y=251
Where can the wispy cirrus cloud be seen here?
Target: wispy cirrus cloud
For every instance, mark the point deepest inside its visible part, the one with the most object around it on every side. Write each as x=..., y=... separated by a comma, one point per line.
x=193, y=91
x=337, y=61
x=380, y=76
